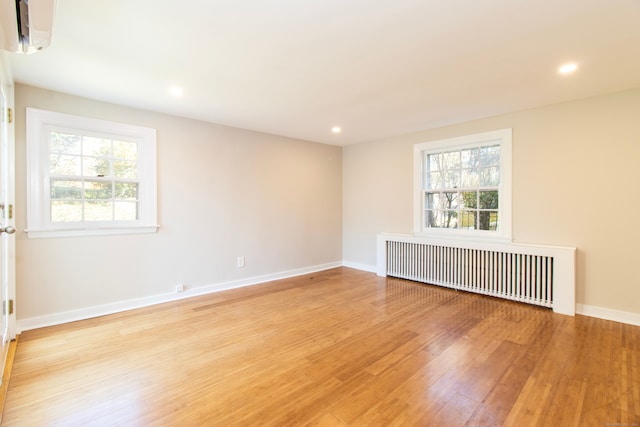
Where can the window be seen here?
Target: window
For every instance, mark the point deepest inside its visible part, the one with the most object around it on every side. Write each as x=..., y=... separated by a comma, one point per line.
x=89, y=176
x=463, y=186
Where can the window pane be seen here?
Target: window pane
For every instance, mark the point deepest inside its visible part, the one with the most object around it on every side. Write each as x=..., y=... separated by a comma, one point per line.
x=434, y=162
x=125, y=150
x=468, y=220
x=450, y=219
x=64, y=165
x=429, y=219
x=451, y=160
x=452, y=179
x=126, y=211
x=490, y=177
x=442, y=218
x=470, y=178
x=125, y=169
x=489, y=199
x=64, y=143
x=93, y=166
x=436, y=181
x=488, y=220
x=469, y=158
x=97, y=190
x=443, y=179
x=490, y=156
x=96, y=147
x=449, y=200
x=470, y=199
x=435, y=219
x=66, y=211
x=98, y=211
x=61, y=189
x=126, y=191
x=445, y=200
x=430, y=200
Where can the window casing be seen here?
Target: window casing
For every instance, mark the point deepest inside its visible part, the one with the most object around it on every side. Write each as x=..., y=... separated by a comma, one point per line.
x=89, y=176
x=463, y=186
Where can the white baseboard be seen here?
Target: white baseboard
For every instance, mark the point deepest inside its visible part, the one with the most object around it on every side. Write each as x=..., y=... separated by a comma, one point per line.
x=358, y=266
x=102, y=310
x=609, y=314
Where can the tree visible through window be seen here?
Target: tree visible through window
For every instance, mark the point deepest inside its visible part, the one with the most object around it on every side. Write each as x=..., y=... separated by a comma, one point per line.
x=462, y=188
x=92, y=179
x=464, y=184
x=89, y=176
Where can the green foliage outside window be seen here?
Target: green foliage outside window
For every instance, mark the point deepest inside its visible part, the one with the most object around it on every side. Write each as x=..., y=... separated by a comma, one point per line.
x=92, y=179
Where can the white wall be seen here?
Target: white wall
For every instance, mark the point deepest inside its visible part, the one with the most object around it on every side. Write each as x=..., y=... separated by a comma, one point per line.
x=576, y=182
x=223, y=192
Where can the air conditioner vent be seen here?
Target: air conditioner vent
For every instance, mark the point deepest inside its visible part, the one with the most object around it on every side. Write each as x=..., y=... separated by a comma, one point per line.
x=25, y=25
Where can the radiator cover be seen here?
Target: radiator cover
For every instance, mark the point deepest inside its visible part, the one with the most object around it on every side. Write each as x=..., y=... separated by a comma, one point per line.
x=533, y=274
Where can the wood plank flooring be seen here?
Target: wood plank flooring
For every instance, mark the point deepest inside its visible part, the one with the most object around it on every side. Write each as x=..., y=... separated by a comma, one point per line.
x=336, y=348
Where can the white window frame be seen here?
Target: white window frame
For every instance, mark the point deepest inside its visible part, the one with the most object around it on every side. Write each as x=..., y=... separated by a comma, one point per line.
x=39, y=224
x=501, y=137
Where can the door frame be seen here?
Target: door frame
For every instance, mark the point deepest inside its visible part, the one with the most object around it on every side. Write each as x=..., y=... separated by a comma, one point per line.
x=6, y=240
x=10, y=176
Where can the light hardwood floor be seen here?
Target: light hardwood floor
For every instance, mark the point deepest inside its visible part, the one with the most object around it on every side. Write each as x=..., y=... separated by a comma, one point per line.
x=336, y=348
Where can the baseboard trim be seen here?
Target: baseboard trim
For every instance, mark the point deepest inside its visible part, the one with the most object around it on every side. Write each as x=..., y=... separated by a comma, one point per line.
x=609, y=314
x=358, y=266
x=117, y=307
x=120, y=306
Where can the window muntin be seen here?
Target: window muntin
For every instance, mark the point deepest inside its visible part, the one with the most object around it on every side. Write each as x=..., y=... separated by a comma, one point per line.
x=463, y=186
x=92, y=179
x=88, y=176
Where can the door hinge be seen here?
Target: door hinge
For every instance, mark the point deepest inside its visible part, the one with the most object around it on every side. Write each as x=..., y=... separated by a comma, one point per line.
x=9, y=210
x=9, y=305
x=9, y=115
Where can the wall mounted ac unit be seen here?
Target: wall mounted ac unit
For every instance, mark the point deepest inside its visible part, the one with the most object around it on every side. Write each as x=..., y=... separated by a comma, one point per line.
x=25, y=25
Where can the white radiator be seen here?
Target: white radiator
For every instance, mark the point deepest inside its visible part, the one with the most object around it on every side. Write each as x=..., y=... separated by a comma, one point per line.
x=540, y=275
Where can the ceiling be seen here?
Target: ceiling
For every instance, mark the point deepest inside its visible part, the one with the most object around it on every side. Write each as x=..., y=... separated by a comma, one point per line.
x=375, y=68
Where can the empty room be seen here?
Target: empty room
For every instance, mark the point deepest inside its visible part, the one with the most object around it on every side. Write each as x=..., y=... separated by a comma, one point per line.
x=320, y=213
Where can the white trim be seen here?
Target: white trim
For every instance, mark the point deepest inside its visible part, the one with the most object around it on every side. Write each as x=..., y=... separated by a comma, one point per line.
x=608, y=314
x=359, y=266
x=564, y=291
x=39, y=123
x=91, y=232
x=116, y=307
x=6, y=81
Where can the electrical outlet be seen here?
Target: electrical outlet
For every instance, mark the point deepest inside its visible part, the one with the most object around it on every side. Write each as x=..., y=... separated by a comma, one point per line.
x=240, y=261
x=180, y=288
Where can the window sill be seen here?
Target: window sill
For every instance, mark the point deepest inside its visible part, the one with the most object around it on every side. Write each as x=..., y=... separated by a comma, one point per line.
x=488, y=237
x=38, y=234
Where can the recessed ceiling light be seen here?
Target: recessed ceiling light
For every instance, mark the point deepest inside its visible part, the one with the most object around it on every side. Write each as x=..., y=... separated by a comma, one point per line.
x=336, y=129
x=176, y=91
x=568, y=68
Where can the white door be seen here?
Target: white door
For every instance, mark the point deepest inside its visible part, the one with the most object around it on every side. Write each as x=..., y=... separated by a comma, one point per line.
x=7, y=221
